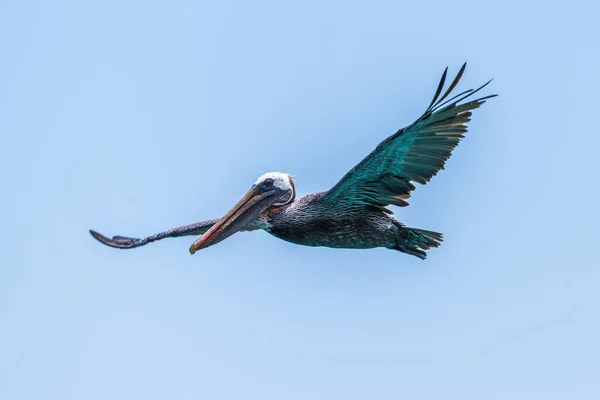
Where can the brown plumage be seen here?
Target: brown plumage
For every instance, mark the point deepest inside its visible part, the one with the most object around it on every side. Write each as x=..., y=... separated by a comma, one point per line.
x=353, y=213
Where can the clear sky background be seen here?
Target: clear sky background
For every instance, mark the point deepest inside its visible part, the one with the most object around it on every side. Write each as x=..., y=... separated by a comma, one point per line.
x=134, y=117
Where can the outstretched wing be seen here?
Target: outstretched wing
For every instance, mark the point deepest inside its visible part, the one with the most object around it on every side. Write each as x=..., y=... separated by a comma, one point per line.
x=413, y=154
x=199, y=228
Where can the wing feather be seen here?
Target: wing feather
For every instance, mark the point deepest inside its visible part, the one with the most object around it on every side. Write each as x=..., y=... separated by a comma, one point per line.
x=198, y=228
x=415, y=153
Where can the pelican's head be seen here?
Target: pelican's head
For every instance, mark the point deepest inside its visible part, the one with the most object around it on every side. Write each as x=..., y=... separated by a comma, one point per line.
x=281, y=181
x=273, y=189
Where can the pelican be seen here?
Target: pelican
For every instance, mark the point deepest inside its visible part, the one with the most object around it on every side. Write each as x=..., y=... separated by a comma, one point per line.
x=352, y=214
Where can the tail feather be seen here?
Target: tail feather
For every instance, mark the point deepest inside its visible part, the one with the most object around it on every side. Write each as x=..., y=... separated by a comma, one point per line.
x=427, y=239
x=416, y=241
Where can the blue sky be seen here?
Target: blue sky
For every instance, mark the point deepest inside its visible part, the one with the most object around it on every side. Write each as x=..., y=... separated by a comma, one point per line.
x=134, y=117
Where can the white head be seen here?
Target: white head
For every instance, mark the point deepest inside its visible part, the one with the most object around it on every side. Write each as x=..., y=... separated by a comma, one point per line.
x=270, y=190
x=281, y=181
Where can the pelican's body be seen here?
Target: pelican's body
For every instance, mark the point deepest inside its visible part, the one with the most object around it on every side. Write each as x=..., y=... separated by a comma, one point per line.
x=353, y=214
x=311, y=221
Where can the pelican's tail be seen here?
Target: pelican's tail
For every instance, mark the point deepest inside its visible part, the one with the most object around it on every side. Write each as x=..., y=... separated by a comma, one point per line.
x=415, y=241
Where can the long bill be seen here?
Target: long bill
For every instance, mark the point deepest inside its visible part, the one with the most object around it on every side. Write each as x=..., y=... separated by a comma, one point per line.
x=257, y=200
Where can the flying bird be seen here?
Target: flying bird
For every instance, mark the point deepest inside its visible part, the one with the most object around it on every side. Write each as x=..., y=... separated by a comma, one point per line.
x=352, y=214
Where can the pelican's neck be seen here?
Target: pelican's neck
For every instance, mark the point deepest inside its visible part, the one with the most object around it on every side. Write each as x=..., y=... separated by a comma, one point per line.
x=265, y=219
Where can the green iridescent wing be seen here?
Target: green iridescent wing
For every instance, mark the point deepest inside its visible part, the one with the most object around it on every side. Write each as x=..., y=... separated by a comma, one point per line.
x=413, y=154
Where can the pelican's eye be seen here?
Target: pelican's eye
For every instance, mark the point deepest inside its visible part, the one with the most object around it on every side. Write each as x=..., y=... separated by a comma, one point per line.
x=268, y=182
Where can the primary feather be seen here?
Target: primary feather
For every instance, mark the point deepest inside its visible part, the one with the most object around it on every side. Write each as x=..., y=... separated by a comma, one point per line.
x=414, y=153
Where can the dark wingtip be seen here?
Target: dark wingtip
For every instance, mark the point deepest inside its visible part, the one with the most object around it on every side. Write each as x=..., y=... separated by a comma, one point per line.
x=99, y=237
x=454, y=83
x=439, y=88
x=118, y=242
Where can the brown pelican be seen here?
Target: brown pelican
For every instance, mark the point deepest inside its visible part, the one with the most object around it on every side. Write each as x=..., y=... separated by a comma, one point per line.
x=352, y=214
